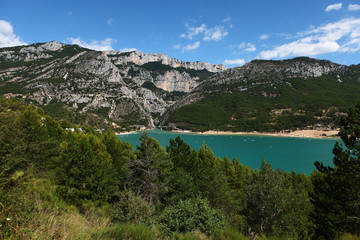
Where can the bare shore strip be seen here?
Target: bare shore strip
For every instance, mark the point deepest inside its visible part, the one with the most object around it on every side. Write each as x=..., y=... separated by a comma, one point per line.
x=299, y=133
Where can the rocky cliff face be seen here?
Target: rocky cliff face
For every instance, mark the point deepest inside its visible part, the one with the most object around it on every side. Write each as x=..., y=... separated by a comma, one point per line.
x=131, y=88
x=140, y=58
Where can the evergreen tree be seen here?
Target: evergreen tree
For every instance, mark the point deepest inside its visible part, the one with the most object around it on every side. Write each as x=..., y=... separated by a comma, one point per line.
x=86, y=173
x=336, y=195
x=121, y=154
x=184, y=158
x=274, y=207
x=150, y=170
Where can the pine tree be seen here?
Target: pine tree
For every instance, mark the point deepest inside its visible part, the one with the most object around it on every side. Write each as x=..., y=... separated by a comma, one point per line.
x=150, y=170
x=336, y=195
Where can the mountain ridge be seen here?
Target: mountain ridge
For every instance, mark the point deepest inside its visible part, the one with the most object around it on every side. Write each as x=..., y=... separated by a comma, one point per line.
x=136, y=89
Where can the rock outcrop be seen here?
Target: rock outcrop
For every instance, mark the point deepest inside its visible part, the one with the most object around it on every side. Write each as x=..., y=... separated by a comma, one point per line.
x=123, y=87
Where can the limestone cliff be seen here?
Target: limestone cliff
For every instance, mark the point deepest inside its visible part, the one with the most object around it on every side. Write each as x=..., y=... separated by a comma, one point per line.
x=112, y=84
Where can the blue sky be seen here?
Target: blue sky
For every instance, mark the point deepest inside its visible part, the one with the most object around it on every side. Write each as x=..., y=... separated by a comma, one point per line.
x=230, y=32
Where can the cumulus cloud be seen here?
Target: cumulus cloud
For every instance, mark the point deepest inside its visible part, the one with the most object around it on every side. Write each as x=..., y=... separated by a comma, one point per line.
x=128, y=50
x=264, y=37
x=190, y=47
x=208, y=34
x=341, y=36
x=331, y=7
x=193, y=31
x=354, y=7
x=215, y=34
x=100, y=45
x=232, y=62
x=247, y=47
x=7, y=35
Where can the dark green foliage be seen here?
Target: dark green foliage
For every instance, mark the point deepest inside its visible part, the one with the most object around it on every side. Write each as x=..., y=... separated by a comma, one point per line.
x=121, y=154
x=262, y=107
x=87, y=170
x=131, y=208
x=150, y=170
x=161, y=68
x=156, y=66
x=60, y=110
x=45, y=168
x=276, y=207
x=336, y=194
x=190, y=215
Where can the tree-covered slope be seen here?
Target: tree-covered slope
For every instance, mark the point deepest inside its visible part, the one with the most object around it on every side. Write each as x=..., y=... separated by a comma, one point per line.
x=270, y=96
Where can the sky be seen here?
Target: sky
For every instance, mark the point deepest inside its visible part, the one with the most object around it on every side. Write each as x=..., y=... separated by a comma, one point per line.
x=229, y=32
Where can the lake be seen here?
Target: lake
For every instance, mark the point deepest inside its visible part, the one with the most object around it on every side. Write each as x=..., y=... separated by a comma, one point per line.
x=287, y=153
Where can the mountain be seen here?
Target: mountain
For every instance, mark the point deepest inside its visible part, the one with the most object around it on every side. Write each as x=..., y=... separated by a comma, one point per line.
x=99, y=88
x=269, y=96
x=134, y=89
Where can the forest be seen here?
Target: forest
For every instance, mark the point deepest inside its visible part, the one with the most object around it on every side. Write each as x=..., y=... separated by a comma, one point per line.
x=59, y=180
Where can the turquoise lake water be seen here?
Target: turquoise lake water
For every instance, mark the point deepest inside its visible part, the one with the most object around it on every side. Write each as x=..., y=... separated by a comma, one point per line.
x=287, y=153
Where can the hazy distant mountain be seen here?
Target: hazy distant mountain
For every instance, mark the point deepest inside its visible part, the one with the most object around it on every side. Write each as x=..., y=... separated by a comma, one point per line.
x=137, y=89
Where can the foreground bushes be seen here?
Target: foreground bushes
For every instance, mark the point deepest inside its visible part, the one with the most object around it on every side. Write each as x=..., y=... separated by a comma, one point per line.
x=190, y=215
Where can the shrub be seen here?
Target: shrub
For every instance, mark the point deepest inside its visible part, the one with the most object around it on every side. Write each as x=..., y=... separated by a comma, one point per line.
x=131, y=208
x=190, y=215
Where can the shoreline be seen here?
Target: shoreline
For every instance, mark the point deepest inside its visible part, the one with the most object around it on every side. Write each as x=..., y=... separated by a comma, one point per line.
x=297, y=134
x=323, y=134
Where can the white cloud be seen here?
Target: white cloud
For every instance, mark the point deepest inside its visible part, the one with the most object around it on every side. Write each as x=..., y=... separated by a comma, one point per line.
x=354, y=7
x=193, y=31
x=232, y=62
x=215, y=34
x=228, y=19
x=100, y=45
x=247, y=47
x=208, y=34
x=336, y=6
x=341, y=36
x=177, y=46
x=190, y=47
x=264, y=37
x=110, y=22
x=128, y=50
x=7, y=35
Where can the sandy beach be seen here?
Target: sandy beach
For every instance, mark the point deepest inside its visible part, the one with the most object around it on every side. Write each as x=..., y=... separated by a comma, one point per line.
x=125, y=133
x=299, y=133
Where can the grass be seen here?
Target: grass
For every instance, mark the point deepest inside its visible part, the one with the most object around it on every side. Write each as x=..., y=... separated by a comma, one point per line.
x=126, y=232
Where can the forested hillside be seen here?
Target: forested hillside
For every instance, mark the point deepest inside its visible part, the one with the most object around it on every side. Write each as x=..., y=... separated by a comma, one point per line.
x=63, y=181
x=270, y=96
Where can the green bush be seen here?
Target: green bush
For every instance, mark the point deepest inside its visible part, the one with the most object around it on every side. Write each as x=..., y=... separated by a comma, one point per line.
x=131, y=208
x=190, y=215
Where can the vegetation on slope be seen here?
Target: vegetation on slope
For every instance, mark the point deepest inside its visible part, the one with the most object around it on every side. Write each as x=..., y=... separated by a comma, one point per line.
x=58, y=181
x=296, y=103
